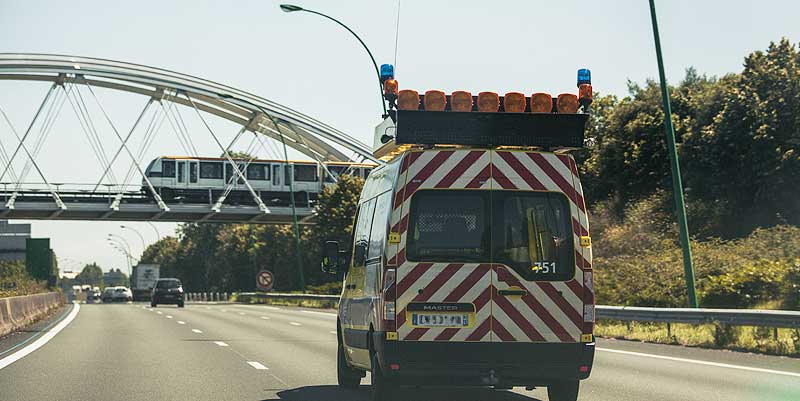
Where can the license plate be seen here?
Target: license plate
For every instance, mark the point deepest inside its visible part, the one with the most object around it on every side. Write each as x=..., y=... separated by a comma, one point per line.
x=440, y=320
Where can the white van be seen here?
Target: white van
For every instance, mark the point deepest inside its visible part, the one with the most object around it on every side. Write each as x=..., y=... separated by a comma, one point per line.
x=470, y=264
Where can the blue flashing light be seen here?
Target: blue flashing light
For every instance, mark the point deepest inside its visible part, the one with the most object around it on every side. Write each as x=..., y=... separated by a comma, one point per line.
x=387, y=71
x=584, y=76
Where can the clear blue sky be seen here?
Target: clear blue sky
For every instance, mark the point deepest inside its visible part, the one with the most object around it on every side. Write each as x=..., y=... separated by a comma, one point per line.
x=314, y=66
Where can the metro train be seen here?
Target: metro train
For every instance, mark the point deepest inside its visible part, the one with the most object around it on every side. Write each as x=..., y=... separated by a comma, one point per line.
x=204, y=179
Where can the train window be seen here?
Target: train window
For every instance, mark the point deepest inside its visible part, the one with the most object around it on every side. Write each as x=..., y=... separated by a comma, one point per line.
x=212, y=170
x=256, y=172
x=168, y=168
x=366, y=172
x=276, y=174
x=286, y=174
x=181, y=171
x=305, y=173
x=193, y=172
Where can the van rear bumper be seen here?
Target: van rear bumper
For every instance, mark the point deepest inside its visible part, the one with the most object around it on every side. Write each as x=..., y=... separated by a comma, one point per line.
x=482, y=364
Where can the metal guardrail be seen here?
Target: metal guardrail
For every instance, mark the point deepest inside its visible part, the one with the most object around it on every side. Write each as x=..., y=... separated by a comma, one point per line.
x=276, y=295
x=733, y=317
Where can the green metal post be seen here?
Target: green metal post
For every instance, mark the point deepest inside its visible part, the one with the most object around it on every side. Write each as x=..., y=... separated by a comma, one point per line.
x=297, y=254
x=677, y=186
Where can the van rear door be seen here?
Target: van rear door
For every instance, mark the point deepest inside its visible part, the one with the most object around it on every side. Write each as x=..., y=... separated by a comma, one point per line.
x=440, y=219
x=537, y=271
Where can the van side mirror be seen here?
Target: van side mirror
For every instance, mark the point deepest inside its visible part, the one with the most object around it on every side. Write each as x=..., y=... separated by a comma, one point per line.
x=360, y=253
x=330, y=257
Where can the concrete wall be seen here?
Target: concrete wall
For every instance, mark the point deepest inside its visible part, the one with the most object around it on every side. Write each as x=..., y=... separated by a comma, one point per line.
x=17, y=312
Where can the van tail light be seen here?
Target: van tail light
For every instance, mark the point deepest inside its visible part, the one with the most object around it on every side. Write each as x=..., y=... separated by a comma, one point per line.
x=389, y=297
x=588, y=302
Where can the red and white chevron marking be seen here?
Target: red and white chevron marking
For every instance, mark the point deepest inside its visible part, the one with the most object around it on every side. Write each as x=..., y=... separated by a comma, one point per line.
x=550, y=311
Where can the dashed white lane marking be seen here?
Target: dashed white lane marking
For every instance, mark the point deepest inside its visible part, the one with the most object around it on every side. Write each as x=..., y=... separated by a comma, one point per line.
x=207, y=307
x=197, y=331
x=223, y=310
x=41, y=340
x=221, y=343
x=332, y=332
x=706, y=363
x=265, y=317
x=242, y=313
x=160, y=313
x=326, y=314
x=257, y=365
x=295, y=324
x=272, y=308
x=169, y=316
x=181, y=322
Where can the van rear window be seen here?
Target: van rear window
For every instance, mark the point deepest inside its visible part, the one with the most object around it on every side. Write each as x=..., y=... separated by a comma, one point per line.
x=448, y=226
x=530, y=232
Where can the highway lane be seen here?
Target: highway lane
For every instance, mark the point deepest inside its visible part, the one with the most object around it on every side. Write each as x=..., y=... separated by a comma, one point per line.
x=255, y=352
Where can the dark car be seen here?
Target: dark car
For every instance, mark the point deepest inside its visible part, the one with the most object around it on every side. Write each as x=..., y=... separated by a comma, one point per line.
x=167, y=291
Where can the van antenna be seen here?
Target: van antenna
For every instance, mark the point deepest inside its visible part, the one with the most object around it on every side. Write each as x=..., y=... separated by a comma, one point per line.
x=396, y=33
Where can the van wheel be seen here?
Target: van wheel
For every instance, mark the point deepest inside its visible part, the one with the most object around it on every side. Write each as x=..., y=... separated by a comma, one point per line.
x=348, y=377
x=563, y=391
x=381, y=388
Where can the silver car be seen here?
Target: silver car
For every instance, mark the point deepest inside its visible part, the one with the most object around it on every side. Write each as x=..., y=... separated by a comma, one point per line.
x=123, y=294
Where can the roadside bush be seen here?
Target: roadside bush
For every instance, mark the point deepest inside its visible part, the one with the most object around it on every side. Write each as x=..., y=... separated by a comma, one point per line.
x=14, y=280
x=746, y=286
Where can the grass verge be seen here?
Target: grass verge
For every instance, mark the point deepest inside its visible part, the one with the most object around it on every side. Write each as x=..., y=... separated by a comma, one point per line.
x=763, y=340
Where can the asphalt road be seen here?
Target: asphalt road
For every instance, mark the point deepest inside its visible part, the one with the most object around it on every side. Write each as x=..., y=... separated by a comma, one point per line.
x=244, y=352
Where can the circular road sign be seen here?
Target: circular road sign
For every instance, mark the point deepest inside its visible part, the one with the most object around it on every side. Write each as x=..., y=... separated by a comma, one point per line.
x=264, y=280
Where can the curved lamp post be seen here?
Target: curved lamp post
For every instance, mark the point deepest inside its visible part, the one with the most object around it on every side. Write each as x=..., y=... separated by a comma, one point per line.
x=289, y=8
x=144, y=245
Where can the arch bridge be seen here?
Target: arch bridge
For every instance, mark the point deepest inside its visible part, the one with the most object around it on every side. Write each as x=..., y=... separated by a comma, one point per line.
x=73, y=80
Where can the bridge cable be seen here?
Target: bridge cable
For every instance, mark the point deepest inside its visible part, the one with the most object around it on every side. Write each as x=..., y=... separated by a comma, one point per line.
x=149, y=136
x=24, y=148
x=157, y=197
x=227, y=155
x=185, y=129
x=82, y=113
x=3, y=153
x=177, y=130
x=93, y=130
x=44, y=131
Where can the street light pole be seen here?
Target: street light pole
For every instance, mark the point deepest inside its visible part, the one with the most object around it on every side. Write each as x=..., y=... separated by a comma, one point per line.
x=153, y=226
x=144, y=245
x=677, y=186
x=298, y=261
x=292, y=8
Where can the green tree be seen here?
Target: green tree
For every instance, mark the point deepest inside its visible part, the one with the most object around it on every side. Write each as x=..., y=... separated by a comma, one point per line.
x=91, y=274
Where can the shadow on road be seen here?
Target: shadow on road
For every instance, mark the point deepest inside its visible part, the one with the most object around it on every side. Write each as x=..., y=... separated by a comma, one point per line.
x=334, y=393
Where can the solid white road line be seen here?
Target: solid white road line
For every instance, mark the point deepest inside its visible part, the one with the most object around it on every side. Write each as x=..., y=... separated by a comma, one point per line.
x=295, y=324
x=326, y=314
x=265, y=317
x=41, y=340
x=221, y=343
x=272, y=308
x=181, y=322
x=257, y=365
x=697, y=362
x=197, y=331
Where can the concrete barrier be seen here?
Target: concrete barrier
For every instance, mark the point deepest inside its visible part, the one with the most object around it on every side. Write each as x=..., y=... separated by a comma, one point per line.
x=17, y=312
